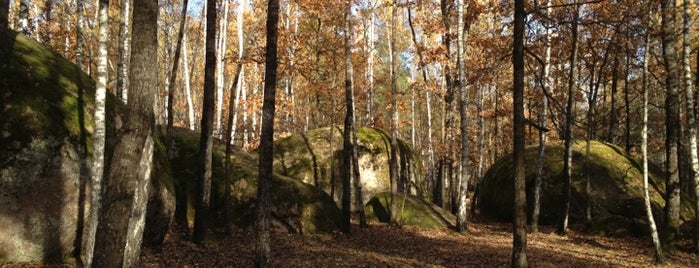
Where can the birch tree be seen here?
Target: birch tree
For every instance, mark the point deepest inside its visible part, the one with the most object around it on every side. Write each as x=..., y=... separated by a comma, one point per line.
x=690, y=110
x=124, y=50
x=538, y=181
x=461, y=222
x=568, y=154
x=24, y=26
x=659, y=257
x=99, y=134
x=221, y=67
x=126, y=185
x=187, y=84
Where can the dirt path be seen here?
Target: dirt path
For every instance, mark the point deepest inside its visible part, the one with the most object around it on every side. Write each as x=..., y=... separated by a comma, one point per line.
x=487, y=245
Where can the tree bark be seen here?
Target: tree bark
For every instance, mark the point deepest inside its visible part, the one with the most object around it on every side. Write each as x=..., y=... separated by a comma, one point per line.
x=206, y=138
x=393, y=165
x=461, y=221
x=690, y=111
x=4, y=16
x=519, y=235
x=173, y=79
x=659, y=257
x=568, y=155
x=263, y=255
x=428, y=108
x=613, y=117
x=23, y=26
x=126, y=184
x=124, y=51
x=79, y=37
x=370, y=70
x=187, y=85
x=538, y=181
x=347, y=148
x=220, y=68
x=672, y=119
x=99, y=134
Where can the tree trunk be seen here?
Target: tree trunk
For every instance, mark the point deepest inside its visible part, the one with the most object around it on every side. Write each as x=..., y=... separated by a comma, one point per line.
x=220, y=68
x=206, y=138
x=4, y=16
x=659, y=257
x=99, y=134
x=461, y=221
x=627, y=104
x=124, y=51
x=359, y=196
x=23, y=26
x=568, y=155
x=229, y=149
x=691, y=116
x=79, y=37
x=263, y=258
x=519, y=235
x=613, y=113
x=187, y=85
x=126, y=184
x=428, y=108
x=591, y=103
x=347, y=151
x=173, y=79
x=672, y=118
x=370, y=71
x=538, y=181
x=393, y=165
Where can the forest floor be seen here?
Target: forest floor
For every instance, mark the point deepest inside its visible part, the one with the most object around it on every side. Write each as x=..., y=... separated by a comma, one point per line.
x=486, y=244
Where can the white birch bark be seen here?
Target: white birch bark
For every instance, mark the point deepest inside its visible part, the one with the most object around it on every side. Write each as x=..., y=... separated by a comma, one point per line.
x=187, y=84
x=370, y=69
x=80, y=38
x=691, y=116
x=98, y=136
x=23, y=26
x=461, y=221
x=221, y=67
x=137, y=221
x=644, y=151
x=124, y=50
x=542, y=122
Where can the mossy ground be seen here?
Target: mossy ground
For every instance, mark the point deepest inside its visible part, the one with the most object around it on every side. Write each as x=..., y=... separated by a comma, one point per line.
x=292, y=199
x=412, y=211
x=616, y=188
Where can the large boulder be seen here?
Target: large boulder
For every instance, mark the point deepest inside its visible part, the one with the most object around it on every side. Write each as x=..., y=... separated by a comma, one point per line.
x=296, y=206
x=616, y=185
x=45, y=148
x=412, y=211
x=315, y=157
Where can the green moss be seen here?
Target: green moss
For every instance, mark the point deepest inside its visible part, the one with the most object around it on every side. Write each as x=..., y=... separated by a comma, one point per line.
x=616, y=187
x=413, y=211
x=41, y=88
x=303, y=207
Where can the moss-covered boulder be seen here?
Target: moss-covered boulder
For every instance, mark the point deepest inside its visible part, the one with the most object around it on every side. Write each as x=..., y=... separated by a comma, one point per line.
x=616, y=189
x=412, y=211
x=45, y=144
x=296, y=206
x=315, y=157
